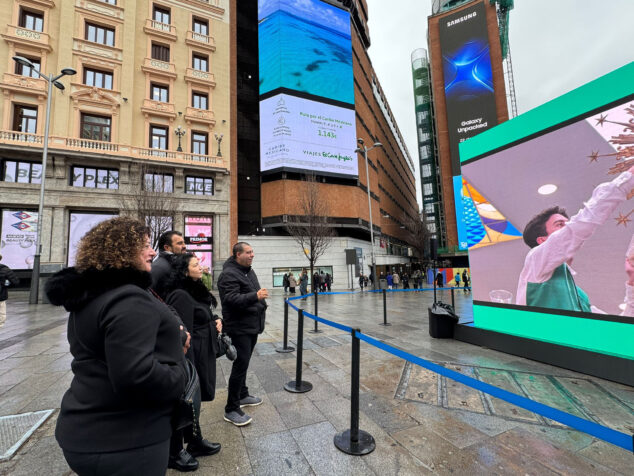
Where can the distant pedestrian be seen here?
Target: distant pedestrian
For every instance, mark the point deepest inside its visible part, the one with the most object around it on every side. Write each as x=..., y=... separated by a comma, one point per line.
x=322, y=281
x=285, y=283
x=396, y=280
x=390, y=280
x=405, y=281
x=457, y=280
x=328, y=281
x=292, y=283
x=7, y=279
x=361, y=281
x=170, y=243
x=439, y=280
x=316, y=282
x=465, y=281
x=303, y=284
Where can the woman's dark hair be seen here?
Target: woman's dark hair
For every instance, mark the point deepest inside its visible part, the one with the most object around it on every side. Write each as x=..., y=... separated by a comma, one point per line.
x=114, y=243
x=180, y=264
x=536, y=227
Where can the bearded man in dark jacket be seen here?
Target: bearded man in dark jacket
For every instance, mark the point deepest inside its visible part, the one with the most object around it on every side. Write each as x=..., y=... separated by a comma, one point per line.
x=243, y=311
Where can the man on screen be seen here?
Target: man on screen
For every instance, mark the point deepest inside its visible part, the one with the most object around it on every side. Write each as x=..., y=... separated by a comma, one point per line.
x=547, y=280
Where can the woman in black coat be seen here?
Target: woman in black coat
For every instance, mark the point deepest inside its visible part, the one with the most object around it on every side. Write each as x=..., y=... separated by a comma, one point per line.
x=188, y=295
x=128, y=363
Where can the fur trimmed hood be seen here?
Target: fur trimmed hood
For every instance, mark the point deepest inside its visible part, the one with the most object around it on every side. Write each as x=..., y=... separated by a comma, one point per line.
x=73, y=290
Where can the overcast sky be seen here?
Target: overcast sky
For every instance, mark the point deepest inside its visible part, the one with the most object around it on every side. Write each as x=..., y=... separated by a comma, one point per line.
x=556, y=46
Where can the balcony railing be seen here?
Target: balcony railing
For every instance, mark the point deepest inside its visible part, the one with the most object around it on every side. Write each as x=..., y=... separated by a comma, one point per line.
x=29, y=37
x=157, y=66
x=198, y=76
x=17, y=82
x=58, y=143
x=159, y=108
x=200, y=115
x=200, y=41
x=162, y=29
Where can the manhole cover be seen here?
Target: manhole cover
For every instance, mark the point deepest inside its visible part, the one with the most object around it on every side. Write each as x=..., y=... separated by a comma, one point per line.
x=16, y=429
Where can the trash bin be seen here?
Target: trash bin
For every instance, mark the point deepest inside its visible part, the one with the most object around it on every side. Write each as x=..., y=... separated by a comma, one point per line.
x=382, y=283
x=442, y=319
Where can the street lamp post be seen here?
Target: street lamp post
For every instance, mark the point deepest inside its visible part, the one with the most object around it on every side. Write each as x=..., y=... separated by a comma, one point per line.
x=51, y=81
x=180, y=132
x=364, y=150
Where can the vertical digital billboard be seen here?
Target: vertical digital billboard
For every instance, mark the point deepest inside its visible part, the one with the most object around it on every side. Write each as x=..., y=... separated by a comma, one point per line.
x=467, y=76
x=307, y=117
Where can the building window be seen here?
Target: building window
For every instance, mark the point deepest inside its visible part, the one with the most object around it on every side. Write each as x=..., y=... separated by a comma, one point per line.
x=99, y=34
x=31, y=20
x=27, y=70
x=158, y=137
x=429, y=208
x=95, y=127
x=111, y=2
x=199, y=100
x=93, y=177
x=21, y=172
x=161, y=15
x=426, y=170
x=159, y=92
x=427, y=189
x=99, y=79
x=199, y=186
x=160, y=52
x=199, y=143
x=201, y=63
x=158, y=183
x=201, y=26
x=25, y=119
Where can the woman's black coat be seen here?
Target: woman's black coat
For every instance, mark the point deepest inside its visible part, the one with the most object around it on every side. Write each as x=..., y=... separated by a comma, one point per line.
x=193, y=302
x=128, y=364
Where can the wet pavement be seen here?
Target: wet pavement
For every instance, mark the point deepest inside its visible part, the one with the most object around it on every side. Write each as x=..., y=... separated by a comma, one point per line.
x=422, y=423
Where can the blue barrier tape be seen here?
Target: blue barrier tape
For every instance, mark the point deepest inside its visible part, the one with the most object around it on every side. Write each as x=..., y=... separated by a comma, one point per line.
x=615, y=437
x=327, y=322
x=409, y=289
x=295, y=298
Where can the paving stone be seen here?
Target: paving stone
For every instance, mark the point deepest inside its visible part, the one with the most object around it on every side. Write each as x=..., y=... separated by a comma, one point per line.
x=266, y=419
x=299, y=412
x=549, y=455
x=610, y=456
x=562, y=438
x=420, y=384
x=316, y=443
x=461, y=396
x=382, y=412
x=504, y=380
x=487, y=424
x=499, y=459
x=277, y=453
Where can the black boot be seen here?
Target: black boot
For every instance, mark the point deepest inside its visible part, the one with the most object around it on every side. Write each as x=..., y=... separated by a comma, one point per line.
x=203, y=447
x=183, y=462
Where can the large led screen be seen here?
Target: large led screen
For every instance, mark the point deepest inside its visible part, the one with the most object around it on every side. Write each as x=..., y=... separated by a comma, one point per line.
x=305, y=46
x=563, y=176
x=468, y=77
x=302, y=134
x=307, y=118
x=18, y=237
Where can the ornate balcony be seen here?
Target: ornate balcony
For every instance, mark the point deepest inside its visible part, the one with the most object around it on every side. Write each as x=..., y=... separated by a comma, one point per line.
x=200, y=115
x=163, y=30
x=151, y=65
x=19, y=83
x=14, y=139
x=200, y=77
x=200, y=41
x=158, y=108
x=32, y=38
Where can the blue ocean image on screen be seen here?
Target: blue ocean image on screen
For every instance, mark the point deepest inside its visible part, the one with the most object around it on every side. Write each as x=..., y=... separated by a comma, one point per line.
x=467, y=71
x=305, y=46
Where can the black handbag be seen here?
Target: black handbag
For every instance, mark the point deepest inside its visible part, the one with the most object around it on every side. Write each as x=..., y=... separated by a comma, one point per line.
x=189, y=402
x=225, y=347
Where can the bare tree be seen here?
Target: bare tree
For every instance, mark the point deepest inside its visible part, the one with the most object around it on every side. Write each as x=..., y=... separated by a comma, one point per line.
x=310, y=228
x=150, y=198
x=418, y=233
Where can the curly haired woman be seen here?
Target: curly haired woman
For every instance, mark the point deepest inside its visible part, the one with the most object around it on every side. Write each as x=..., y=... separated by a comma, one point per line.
x=128, y=361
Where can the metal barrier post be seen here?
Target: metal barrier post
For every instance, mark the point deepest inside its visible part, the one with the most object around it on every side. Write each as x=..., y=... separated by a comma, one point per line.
x=298, y=385
x=316, y=308
x=286, y=347
x=354, y=441
x=385, y=323
x=453, y=300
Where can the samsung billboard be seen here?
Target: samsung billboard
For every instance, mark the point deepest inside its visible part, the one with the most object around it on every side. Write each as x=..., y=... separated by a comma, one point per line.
x=467, y=76
x=307, y=117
